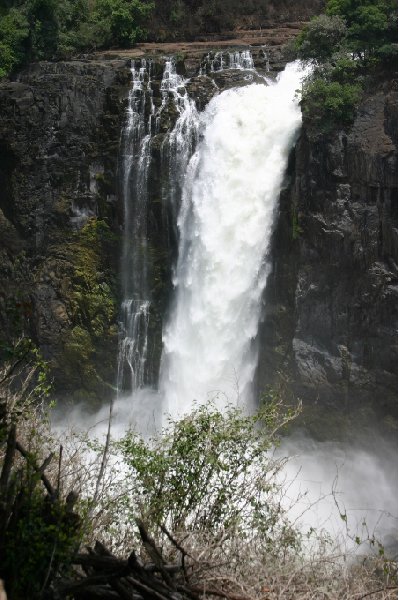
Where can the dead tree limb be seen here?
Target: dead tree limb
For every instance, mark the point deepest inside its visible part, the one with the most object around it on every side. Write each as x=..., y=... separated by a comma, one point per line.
x=8, y=460
x=39, y=470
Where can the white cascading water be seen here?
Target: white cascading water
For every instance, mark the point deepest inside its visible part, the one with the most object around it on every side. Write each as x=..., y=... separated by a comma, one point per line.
x=180, y=143
x=142, y=122
x=136, y=155
x=241, y=60
x=231, y=190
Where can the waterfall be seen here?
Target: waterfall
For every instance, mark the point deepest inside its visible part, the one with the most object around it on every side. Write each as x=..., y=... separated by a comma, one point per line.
x=230, y=194
x=241, y=60
x=220, y=61
x=180, y=143
x=142, y=123
x=135, y=160
x=223, y=170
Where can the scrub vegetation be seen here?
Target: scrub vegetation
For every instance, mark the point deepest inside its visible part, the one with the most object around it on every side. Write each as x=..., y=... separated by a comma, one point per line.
x=351, y=42
x=52, y=29
x=201, y=511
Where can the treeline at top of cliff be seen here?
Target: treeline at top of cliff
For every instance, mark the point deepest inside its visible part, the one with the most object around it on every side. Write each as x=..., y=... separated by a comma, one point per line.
x=33, y=30
x=351, y=46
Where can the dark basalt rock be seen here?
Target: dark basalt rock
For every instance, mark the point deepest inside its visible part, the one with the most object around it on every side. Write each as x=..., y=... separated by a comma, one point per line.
x=59, y=136
x=331, y=303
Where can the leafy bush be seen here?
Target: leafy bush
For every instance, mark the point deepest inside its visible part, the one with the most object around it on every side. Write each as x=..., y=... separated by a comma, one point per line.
x=43, y=28
x=330, y=104
x=345, y=45
x=211, y=472
x=119, y=22
x=208, y=491
x=370, y=24
x=321, y=38
x=14, y=31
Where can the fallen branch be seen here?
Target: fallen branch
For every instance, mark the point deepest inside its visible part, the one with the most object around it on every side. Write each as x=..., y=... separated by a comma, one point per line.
x=383, y=589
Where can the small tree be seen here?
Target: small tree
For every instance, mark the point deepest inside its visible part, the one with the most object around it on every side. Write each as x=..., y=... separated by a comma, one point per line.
x=210, y=472
x=119, y=22
x=321, y=38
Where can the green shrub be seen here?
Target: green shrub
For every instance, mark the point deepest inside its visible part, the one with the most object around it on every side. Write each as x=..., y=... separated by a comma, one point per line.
x=370, y=24
x=330, y=104
x=345, y=46
x=321, y=38
x=119, y=22
x=210, y=472
x=41, y=539
x=14, y=31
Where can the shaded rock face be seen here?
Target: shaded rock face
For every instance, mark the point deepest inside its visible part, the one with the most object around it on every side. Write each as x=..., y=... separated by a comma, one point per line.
x=331, y=303
x=59, y=137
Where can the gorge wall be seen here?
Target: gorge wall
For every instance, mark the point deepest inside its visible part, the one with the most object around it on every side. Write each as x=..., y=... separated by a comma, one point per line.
x=59, y=217
x=331, y=303
x=329, y=324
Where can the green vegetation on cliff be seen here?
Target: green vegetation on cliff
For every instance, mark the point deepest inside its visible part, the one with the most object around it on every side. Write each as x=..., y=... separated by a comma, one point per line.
x=50, y=29
x=92, y=308
x=350, y=42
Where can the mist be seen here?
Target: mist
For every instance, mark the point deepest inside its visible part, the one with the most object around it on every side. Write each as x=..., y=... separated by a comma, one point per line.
x=346, y=491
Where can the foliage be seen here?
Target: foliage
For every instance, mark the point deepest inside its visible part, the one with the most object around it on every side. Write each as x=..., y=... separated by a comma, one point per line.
x=43, y=539
x=296, y=229
x=357, y=26
x=330, y=104
x=345, y=45
x=370, y=24
x=51, y=29
x=210, y=471
x=321, y=37
x=209, y=491
x=24, y=382
x=14, y=31
x=91, y=303
x=188, y=19
x=39, y=531
x=118, y=21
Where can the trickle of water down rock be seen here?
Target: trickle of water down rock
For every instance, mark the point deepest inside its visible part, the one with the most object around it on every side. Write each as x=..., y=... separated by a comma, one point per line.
x=135, y=144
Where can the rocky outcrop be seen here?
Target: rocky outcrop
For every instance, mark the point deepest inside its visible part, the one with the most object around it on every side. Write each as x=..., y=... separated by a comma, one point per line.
x=331, y=304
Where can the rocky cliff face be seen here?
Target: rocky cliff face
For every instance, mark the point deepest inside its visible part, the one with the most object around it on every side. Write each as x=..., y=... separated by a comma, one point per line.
x=331, y=304
x=59, y=135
